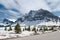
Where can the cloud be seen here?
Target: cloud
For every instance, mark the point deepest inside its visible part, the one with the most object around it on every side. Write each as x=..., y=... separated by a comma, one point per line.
x=54, y=4
x=25, y=5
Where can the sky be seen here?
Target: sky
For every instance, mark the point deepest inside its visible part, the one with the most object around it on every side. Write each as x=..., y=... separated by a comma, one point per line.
x=54, y=5
x=25, y=5
x=15, y=8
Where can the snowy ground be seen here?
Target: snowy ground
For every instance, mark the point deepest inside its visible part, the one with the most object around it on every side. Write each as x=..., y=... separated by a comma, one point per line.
x=11, y=34
x=47, y=36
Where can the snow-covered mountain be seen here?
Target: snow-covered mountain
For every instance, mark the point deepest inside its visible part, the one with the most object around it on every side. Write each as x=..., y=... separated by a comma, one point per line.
x=8, y=22
x=38, y=16
x=34, y=17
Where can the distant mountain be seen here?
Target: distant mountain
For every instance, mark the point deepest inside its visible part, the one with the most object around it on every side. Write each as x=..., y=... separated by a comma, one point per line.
x=39, y=15
x=7, y=22
x=34, y=17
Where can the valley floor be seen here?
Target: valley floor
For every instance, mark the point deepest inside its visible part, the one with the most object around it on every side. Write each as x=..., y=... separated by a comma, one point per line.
x=47, y=36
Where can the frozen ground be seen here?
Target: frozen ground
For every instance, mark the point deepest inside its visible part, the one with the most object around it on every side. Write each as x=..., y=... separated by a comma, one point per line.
x=48, y=36
x=23, y=35
x=11, y=34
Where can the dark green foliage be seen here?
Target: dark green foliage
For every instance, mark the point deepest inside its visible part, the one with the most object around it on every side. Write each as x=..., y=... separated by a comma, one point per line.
x=10, y=29
x=17, y=28
x=45, y=29
x=40, y=29
x=5, y=28
x=28, y=29
x=25, y=28
x=34, y=29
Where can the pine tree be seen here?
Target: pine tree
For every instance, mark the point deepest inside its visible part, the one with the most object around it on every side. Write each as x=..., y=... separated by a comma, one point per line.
x=10, y=29
x=40, y=28
x=34, y=29
x=28, y=29
x=17, y=28
x=46, y=29
x=5, y=28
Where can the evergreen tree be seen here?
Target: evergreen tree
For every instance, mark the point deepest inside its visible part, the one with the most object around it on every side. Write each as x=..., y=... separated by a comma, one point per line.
x=17, y=28
x=10, y=29
x=5, y=28
x=40, y=28
x=46, y=29
x=28, y=29
x=34, y=29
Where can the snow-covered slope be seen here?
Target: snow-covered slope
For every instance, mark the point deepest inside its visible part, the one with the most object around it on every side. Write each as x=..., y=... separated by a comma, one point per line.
x=36, y=17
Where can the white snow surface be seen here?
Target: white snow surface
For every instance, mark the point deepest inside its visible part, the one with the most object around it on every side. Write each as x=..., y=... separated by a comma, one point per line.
x=10, y=34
